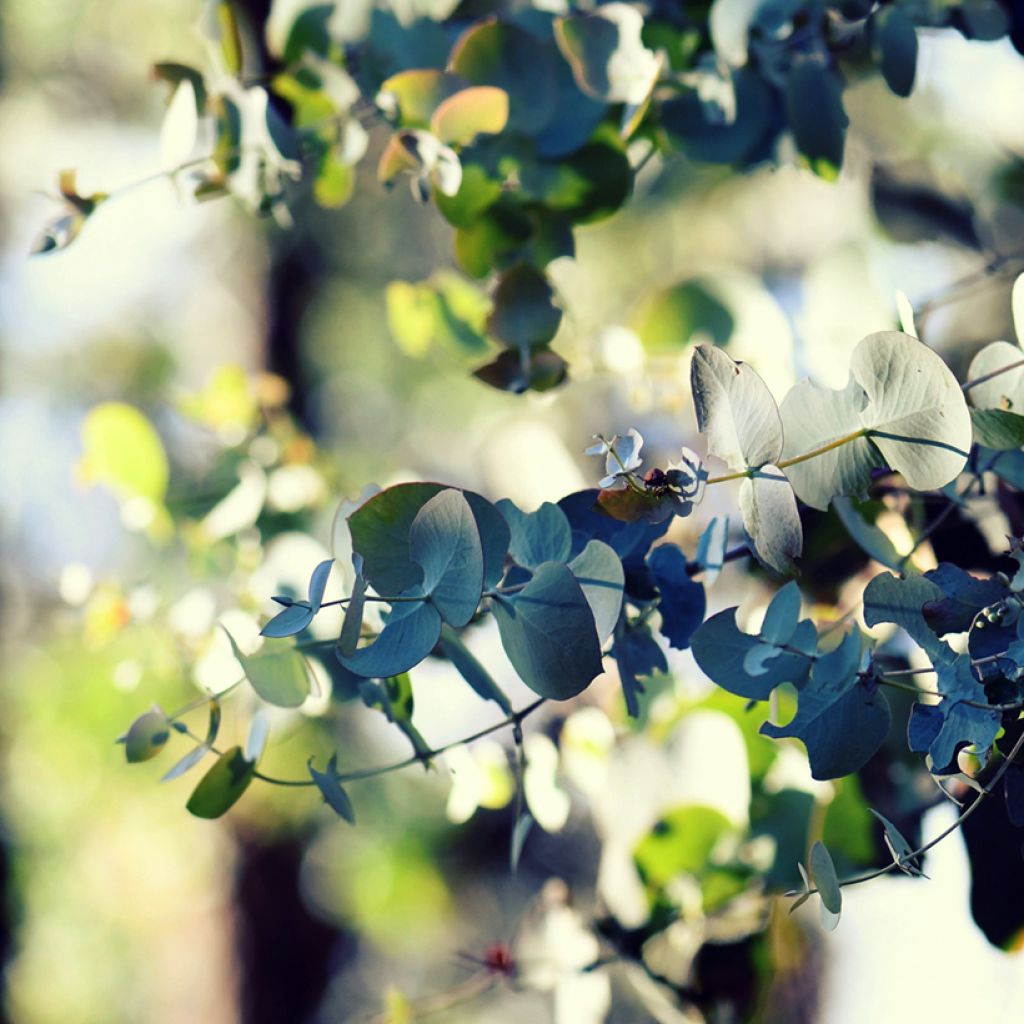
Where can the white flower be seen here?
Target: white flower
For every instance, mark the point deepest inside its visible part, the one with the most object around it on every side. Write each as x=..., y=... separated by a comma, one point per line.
x=622, y=457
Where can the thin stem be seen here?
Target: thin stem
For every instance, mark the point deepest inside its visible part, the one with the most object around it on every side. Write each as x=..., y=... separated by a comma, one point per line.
x=909, y=858
x=797, y=459
x=516, y=718
x=989, y=376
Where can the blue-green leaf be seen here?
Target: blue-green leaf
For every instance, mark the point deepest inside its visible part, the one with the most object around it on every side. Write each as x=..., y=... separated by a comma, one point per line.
x=294, y=619
x=823, y=871
x=711, y=548
x=782, y=616
x=636, y=654
x=549, y=634
x=412, y=630
x=889, y=599
x=330, y=788
x=537, y=537
x=380, y=533
x=444, y=542
x=599, y=572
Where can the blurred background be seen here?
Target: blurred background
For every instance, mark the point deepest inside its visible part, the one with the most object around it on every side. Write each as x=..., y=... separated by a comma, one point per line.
x=275, y=373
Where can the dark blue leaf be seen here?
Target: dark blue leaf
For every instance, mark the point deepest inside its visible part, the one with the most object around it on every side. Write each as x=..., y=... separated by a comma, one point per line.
x=682, y=604
x=1015, y=795
x=964, y=596
x=889, y=599
x=627, y=540
x=721, y=649
x=549, y=634
x=636, y=654
x=840, y=719
x=961, y=723
x=782, y=616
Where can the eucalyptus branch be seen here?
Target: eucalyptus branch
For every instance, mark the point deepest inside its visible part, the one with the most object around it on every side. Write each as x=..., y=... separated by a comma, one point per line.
x=909, y=858
x=514, y=720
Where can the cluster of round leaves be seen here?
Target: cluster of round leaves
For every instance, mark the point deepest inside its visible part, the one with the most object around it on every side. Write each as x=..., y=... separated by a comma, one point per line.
x=522, y=125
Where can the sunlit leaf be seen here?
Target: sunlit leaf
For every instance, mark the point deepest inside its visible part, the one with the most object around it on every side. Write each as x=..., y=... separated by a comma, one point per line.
x=598, y=571
x=905, y=408
x=608, y=58
x=479, y=110
x=735, y=410
x=280, y=678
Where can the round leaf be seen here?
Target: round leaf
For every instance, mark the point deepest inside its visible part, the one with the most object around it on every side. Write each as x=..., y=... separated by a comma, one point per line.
x=549, y=634
x=444, y=542
x=904, y=401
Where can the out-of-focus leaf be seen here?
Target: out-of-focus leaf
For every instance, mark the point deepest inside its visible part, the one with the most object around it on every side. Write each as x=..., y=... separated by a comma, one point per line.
x=146, y=736
x=680, y=843
x=411, y=97
x=280, y=678
x=524, y=315
x=220, y=788
x=814, y=108
x=444, y=310
x=330, y=788
x=471, y=670
x=894, y=42
x=686, y=312
x=607, y=56
x=497, y=53
x=589, y=185
x=122, y=451
x=479, y=110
